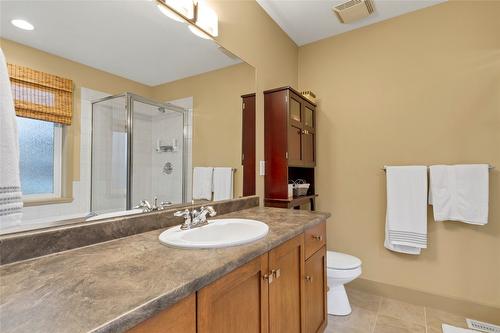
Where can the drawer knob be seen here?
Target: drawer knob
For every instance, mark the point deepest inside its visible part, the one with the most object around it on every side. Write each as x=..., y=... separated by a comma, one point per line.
x=317, y=237
x=309, y=278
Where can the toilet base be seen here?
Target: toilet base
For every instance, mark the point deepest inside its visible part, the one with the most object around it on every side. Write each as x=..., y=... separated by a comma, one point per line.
x=338, y=303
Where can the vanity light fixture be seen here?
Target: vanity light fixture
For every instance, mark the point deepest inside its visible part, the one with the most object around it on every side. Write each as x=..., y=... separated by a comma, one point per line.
x=203, y=20
x=178, y=10
x=198, y=32
x=22, y=24
x=206, y=19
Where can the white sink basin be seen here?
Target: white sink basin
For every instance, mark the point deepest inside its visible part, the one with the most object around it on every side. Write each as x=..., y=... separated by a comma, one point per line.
x=217, y=233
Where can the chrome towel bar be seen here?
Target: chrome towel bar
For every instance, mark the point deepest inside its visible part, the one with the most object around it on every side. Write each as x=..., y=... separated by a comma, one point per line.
x=490, y=167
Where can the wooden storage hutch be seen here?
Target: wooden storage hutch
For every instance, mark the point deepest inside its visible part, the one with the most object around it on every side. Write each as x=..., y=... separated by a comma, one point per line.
x=290, y=146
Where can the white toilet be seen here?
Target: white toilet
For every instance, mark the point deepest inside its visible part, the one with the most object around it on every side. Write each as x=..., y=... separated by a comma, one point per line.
x=341, y=269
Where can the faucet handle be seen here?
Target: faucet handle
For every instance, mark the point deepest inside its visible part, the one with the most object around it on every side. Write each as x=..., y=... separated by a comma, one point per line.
x=184, y=213
x=210, y=210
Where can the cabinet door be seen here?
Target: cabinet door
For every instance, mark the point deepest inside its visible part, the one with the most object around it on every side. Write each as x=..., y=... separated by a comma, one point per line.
x=308, y=117
x=286, y=292
x=295, y=110
x=181, y=317
x=248, y=145
x=315, y=292
x=307, y=141
x=294, y=144
x=237, y=302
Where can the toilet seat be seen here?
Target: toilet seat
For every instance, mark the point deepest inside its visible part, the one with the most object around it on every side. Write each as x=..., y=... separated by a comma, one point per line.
x=341, y=261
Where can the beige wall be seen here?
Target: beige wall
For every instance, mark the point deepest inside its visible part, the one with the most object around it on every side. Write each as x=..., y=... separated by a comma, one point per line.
x=423, y=88
x=216, y=114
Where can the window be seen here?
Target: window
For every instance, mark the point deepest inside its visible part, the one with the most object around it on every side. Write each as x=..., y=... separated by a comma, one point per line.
x=40, y=158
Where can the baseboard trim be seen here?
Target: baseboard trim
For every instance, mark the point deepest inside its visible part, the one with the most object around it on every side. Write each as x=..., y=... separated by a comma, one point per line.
x=458, y=306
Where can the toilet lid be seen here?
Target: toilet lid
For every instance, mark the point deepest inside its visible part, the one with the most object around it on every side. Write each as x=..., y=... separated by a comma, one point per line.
x=337, y=260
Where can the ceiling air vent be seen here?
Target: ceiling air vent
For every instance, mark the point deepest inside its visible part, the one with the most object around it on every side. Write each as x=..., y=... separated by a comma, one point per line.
x=353, y=10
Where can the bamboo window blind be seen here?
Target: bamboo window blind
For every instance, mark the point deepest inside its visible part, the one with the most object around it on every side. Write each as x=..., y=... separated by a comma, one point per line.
x=41, y=96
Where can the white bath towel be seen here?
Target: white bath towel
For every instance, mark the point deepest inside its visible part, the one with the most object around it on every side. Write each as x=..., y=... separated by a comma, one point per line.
x=453, y=329
x=11, y=203
x=202, y=183
x=406, y=216
x=459, y=193
x=223, y=184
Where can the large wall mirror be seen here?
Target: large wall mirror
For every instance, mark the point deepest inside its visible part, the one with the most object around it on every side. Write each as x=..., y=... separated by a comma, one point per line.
x=157, y=118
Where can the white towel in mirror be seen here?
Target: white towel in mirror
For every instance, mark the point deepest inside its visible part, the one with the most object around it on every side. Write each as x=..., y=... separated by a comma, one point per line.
x=202, y=183
x=223, y=184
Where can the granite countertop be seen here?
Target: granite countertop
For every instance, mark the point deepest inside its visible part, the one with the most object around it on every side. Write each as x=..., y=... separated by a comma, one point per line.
x=112, y=286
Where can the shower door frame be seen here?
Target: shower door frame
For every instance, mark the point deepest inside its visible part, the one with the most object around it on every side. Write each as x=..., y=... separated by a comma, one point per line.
x=130, y=98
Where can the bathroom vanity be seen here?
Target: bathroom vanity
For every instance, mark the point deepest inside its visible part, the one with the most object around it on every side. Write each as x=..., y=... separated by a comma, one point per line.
x=137, y=284
x=282, y=290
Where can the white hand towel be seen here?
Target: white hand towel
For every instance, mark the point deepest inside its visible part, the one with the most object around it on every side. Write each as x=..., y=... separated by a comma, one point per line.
x=453, y=329
x=406, y=217
x=460, y=193
x=11, y=203
x=223, y=184
x=202, y=183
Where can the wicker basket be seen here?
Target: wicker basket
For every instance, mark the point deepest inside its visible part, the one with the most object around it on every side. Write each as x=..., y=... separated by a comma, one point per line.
x=300, y=188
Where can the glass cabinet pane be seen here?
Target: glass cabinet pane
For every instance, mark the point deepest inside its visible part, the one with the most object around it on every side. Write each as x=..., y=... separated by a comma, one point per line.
x=308, y=117
x=295, y=110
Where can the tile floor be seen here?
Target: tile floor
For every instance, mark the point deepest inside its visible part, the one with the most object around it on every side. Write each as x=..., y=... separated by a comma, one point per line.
x=376, y=314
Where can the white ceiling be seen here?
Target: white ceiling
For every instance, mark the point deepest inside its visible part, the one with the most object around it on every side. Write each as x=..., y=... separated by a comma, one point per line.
x=132, y=39
x=306, y=21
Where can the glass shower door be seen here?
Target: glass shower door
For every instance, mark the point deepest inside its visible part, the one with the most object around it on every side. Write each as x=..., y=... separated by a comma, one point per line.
x=157, y=153
x=109, y=155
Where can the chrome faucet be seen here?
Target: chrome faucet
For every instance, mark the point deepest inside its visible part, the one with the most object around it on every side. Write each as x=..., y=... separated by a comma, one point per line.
x=147, y=207
x=195, y=218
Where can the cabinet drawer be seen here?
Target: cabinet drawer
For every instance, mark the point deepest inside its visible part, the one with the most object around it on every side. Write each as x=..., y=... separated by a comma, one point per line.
x=315, y=238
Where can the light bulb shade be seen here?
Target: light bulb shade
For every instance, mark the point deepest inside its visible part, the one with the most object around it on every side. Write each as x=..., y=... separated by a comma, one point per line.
x=183, y=7
x=169, y=13
x=207, y=19
x=198, y=32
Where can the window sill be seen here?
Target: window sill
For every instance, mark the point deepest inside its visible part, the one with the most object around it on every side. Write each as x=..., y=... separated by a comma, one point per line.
x=45, y=201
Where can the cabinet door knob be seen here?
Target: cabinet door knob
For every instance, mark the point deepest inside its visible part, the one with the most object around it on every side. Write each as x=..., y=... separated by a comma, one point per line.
x=309, y=278
x=268, y=277
x=276, y=273
x=317, y=237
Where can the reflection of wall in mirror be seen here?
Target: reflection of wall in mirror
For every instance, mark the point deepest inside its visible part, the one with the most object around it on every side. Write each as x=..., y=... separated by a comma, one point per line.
x=217, y=117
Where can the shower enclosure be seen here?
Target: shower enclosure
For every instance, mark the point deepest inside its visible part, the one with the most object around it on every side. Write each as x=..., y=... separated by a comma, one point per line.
x=138, y=152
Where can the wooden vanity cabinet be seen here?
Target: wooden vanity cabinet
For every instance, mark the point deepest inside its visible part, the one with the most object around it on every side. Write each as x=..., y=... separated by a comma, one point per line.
x=237, y=302
x=180, y=317
x=286, y=291
x=315, y=292
x=265, y=295
x=281, y=291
